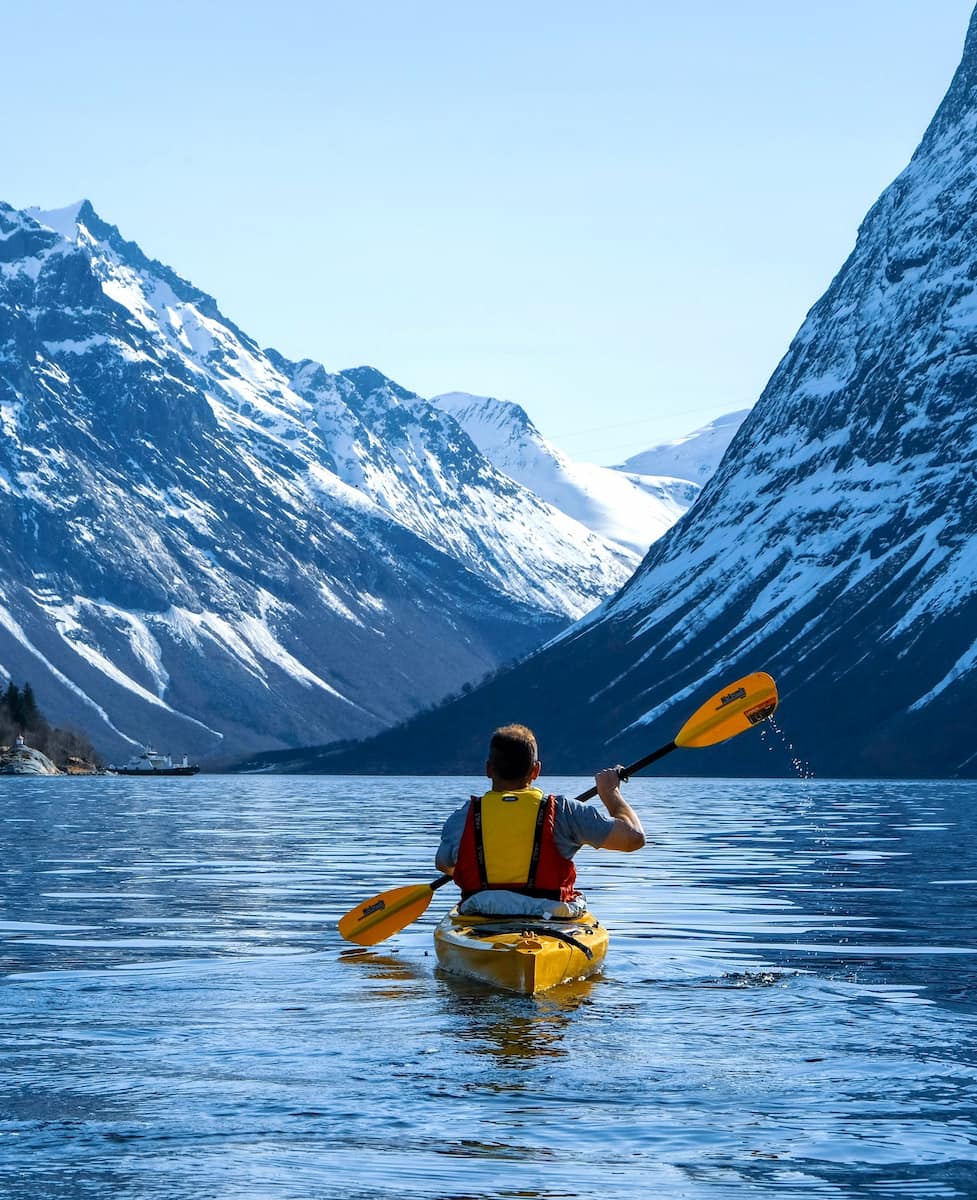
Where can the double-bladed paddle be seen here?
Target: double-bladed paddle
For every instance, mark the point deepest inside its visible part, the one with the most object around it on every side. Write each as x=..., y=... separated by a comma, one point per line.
x=732, y=710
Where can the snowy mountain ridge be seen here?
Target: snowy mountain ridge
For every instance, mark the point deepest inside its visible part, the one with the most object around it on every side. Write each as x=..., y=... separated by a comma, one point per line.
x=695, y=456
x=375, y=436
x=631, y=510
x=206, y=542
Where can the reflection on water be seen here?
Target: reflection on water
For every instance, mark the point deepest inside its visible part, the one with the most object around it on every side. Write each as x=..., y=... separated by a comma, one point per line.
x=511, y=1028
x=787, y=1008
x=386, y=969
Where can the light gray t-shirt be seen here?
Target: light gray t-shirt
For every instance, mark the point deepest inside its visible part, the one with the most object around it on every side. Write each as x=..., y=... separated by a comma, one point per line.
x=574, y=825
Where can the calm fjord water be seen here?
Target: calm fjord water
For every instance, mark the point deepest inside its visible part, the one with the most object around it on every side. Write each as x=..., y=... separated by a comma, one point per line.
x=787, y=1010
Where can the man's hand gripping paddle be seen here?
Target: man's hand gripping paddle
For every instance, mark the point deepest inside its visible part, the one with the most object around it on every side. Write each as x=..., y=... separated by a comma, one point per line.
x=732, y=710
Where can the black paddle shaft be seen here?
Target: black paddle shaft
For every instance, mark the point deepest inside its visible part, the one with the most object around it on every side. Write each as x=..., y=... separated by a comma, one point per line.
x=625, y=773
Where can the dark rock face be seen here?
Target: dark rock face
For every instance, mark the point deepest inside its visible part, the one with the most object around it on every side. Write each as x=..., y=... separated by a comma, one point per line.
x=208, y=547
x=836, y=545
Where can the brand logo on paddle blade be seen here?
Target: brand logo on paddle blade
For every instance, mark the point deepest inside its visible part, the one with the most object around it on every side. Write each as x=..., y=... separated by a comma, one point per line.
x=376, y=906
x=761, y=712
x=739, y=694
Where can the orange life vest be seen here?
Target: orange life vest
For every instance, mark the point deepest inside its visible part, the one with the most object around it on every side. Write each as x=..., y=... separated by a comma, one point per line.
x=507, y=842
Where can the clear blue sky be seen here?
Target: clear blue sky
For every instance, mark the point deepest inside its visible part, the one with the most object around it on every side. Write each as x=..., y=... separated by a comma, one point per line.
x=615, y=215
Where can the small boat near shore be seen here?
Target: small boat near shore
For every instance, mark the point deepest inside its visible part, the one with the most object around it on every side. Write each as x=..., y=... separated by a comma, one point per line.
x=151, y=762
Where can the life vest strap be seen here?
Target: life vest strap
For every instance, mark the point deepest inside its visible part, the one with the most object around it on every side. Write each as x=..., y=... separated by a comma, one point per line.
x=479, y=844
x=537, y=840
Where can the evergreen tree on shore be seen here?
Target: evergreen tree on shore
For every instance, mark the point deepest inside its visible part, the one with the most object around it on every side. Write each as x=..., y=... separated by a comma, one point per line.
x=20, y=714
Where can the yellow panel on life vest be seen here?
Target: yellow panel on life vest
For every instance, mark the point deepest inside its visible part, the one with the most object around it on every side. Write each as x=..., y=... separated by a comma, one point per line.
x=508, y=827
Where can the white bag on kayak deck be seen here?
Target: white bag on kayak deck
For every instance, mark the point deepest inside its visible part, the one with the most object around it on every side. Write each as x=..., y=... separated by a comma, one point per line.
x=500, y=903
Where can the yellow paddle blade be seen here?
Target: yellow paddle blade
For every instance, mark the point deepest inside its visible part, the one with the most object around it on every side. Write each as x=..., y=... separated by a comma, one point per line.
x=386, y=914
x=739, y=705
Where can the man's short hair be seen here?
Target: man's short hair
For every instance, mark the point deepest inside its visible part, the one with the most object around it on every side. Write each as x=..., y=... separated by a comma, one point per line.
x=512, y=753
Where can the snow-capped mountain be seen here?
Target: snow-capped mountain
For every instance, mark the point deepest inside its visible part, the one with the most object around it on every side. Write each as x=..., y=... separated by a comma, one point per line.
x=632, y=510
x=694, y=456
x=213, y=548
x=835, y=546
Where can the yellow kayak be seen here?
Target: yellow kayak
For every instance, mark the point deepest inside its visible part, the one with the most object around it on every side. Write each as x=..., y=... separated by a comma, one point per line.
x=521, y=954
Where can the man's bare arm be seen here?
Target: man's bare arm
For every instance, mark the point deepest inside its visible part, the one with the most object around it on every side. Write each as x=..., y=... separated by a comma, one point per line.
x=627, y=834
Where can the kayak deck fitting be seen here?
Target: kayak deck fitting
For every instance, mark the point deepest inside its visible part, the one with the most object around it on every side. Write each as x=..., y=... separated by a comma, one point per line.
x=520, y=954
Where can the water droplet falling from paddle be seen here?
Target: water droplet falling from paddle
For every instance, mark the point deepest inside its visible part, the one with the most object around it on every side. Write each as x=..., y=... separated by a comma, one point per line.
x=771, y=734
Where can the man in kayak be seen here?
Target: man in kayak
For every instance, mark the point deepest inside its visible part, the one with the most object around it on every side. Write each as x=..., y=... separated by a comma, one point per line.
x=511, y=850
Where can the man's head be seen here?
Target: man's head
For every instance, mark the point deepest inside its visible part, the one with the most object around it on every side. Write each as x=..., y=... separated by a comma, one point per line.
x=513, y=760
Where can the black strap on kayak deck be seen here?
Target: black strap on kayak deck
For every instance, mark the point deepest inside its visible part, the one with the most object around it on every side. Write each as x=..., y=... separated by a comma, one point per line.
x=492, y=930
